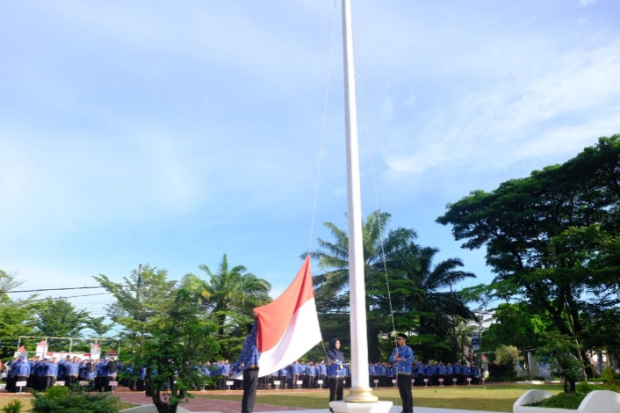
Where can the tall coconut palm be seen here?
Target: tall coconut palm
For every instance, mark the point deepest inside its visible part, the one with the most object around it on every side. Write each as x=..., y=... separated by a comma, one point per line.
x=232, y=291
x=332, y=285
x=334, y=256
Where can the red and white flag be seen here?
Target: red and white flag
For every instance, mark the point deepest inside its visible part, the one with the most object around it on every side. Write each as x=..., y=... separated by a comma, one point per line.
x=288, y=327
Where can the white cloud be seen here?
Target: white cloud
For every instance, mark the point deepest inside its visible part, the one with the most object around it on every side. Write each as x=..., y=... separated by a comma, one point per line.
x=557, y=109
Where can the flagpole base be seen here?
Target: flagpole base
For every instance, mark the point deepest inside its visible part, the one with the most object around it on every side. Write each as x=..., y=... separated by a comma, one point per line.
x=361, y=407
x=360, y=395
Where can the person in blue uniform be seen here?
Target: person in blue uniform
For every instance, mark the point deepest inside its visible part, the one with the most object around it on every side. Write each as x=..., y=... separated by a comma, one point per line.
x=335, y=371
x=23, y=372
x=51, y=373
x=248, y=362
x=402, y=356
x=474, y=373
x=283, y=377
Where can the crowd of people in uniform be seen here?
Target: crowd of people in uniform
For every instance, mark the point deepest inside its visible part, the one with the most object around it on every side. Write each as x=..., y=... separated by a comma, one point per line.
x=42, y=373
x=427, y=374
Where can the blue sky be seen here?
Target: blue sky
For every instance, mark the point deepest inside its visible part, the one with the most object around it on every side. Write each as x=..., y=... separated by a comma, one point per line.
x=172, y=133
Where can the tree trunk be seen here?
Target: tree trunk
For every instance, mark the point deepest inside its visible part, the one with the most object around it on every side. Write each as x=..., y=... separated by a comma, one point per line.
x=572, y=385
x=161, y=405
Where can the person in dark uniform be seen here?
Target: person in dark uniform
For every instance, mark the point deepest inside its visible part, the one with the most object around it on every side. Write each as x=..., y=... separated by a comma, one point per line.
x=248, y=362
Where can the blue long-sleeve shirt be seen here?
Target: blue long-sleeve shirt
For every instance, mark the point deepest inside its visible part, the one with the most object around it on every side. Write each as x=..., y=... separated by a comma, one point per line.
x=336, y=369
x=52, y=370
x=24, y=369
x=403, y=366
x=249, y=352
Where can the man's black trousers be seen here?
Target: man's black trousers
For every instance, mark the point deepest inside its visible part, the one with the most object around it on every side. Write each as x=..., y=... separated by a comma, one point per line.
x=250, y=382
x=404, y=387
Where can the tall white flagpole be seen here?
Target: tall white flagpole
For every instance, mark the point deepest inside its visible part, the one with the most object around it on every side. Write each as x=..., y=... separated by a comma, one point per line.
x=360, y=398
x=360, y=391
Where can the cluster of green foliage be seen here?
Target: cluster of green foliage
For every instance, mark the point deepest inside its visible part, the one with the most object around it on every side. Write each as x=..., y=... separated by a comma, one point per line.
x=15, y=406
x=562, y=401
x=74, y=400
x=172, y=327
x=553, y=240
x=572, y=400
x=51, y=317
x=420, y=296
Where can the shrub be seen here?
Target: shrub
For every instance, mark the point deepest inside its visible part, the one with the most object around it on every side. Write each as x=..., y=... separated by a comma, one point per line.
x=608, y=376
x=74, y=400
x=584, y=387
x=562, y=401
x=13, y=407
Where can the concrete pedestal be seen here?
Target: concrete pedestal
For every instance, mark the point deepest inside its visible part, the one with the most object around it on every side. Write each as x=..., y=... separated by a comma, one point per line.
x=376, y=407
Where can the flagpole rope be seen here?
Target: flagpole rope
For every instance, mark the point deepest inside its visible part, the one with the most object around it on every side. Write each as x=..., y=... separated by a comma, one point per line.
x=374, y=184
x=322, y=140
x=320, y=154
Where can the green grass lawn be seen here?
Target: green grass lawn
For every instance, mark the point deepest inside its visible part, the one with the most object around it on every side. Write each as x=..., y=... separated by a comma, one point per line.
x=499, y=398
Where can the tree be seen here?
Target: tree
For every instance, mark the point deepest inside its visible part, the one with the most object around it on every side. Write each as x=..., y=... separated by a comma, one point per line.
x=552, y=237
x=230, y=295
x=563, y=361
x=98, y=325
x=166, y=329
x=140, y=300
x=416, y=297
x=331, y=286
x=506, y=355
x=17, y=317
x=334, y=256
x=181, y=340
x=59, y=318
x=515, y=324
x=422, y=293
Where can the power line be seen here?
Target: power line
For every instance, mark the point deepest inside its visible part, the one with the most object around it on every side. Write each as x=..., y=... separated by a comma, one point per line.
x=72, y=296
x=52, y=289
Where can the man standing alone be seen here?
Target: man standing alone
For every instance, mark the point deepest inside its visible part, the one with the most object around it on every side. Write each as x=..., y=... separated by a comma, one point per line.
x=402, y=356
x=248, y=362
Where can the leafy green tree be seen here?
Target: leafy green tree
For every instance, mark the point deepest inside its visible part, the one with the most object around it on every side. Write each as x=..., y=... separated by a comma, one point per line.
x=166, y=330
x=515, y=324
x=59, y=318
x=17, y=317
x=140, y=300
x=563, y=361
x=552, y=238
x=182, y=339
x=98, y=325
x=506, y=355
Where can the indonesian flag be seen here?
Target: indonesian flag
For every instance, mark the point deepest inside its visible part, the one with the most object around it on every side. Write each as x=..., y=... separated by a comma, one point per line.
x=289, y=326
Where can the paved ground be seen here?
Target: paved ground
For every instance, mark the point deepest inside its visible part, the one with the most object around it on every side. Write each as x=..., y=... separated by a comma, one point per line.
x=203, y=405
x=200, y=404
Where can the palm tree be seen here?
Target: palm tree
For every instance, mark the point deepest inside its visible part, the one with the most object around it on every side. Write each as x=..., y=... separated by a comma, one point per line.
x=422, y=290
x=334, y=256
x=232, y=292
x=332, y=285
